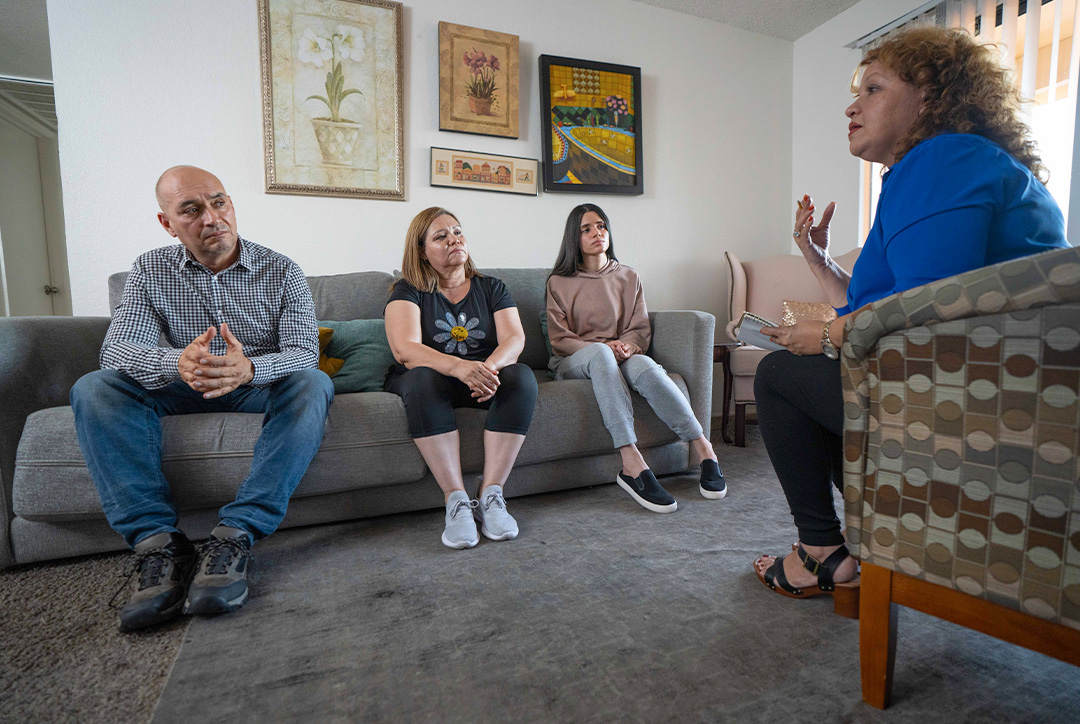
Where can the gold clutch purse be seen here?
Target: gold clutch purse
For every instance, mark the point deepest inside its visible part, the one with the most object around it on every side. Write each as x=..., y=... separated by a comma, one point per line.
x=817, y=311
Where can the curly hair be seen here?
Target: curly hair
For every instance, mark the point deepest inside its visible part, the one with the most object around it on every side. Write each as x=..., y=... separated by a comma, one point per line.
x=966, y=90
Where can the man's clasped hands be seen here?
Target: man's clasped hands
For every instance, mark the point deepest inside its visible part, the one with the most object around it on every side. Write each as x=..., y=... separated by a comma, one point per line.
x=214, y=375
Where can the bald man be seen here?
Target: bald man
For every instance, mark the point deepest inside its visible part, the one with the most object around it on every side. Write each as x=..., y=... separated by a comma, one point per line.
x=240, y=336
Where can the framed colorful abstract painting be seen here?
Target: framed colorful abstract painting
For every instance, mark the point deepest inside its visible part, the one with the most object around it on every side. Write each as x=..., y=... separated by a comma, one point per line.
x=332, y=75
x=478, y=81
x=483, y=171
x=592, y=115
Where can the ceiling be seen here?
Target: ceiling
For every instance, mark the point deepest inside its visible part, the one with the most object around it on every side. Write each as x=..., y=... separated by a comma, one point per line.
x=783, y=19
x=24, y=40
x=24, y=44
x=24, y=27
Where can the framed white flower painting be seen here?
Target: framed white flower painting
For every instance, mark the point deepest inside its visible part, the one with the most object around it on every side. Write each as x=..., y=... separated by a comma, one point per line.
x=332, y=97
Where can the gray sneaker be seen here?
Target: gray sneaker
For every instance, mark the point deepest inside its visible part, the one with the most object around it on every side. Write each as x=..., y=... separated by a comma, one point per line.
x=460, y=531
x=220, y=584
x=495, y=522
x=163, y=562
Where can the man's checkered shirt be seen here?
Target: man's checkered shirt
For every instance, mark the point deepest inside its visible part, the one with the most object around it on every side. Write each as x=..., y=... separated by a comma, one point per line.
x=263, y=297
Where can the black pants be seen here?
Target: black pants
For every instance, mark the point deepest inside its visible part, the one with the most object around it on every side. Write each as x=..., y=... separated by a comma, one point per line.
x=801, y=417
x=430, y=399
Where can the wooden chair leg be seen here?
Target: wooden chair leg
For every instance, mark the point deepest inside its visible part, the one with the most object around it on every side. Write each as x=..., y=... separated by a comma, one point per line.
x=725, y=415
x=740, y=425
x=877, y=635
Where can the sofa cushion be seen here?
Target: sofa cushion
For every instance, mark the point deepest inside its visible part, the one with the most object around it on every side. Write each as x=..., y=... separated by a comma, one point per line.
x=206, y=457
x=362, y=344
x=363, y=295
x=367, y=444
x=330, y=365
x=528, y=287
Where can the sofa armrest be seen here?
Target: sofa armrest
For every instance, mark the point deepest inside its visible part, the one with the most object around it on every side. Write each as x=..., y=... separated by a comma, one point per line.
x=682, y=341
x=40, y=359
x=730, y=329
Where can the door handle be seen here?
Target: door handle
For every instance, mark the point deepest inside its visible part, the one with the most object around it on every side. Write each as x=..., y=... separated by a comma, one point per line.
x=51, y=290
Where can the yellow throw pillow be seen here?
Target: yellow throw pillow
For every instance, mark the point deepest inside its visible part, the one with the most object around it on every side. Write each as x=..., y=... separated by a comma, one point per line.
x=817, y=311
x=329, y=365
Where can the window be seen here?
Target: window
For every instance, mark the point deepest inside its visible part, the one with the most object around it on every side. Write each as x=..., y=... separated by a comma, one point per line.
x=1034, y=37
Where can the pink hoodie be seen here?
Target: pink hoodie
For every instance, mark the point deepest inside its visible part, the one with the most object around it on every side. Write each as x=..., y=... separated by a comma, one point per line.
x=597, y=307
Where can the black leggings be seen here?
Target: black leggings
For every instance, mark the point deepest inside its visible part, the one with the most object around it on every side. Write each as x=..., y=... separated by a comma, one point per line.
x=430, y=399
x=800, y=411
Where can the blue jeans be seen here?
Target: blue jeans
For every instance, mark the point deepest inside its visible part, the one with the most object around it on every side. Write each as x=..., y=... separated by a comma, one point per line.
x=119, y=426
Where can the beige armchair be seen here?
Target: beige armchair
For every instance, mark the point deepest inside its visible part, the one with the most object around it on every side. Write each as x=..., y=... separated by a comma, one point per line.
x=761, y=286
x=961, y=437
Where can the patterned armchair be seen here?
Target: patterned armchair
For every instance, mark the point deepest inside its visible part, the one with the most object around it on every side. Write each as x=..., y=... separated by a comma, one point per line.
x=962, y=475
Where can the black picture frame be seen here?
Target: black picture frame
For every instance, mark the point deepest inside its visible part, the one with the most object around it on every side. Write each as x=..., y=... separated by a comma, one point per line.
x=590, y=113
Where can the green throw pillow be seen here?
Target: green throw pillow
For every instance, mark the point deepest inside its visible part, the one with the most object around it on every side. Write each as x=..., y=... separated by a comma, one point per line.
x=362, y=344
x=543, y=328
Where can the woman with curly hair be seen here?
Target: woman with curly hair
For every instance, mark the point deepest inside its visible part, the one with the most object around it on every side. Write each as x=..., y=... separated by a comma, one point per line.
x=964, y=189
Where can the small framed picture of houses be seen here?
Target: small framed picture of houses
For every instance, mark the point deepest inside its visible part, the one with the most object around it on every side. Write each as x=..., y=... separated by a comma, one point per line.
x=483, y=171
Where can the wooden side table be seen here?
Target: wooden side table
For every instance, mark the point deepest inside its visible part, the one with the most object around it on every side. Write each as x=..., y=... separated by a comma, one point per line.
x=722, y=354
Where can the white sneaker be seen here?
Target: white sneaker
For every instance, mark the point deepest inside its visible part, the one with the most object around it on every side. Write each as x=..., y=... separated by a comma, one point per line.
x=496, y=522
x=460, y=531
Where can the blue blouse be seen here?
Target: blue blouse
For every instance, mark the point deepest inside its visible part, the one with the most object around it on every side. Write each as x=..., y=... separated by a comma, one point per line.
x=954, y=203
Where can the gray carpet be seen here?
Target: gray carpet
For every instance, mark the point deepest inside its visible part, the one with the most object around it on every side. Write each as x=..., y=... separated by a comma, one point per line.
x=598, y=612
x=62, y=657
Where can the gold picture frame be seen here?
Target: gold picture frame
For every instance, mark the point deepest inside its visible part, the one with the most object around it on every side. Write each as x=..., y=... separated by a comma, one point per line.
x=332, y=90
x=478, y=81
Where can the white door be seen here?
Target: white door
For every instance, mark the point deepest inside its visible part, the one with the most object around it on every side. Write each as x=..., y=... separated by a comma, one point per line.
x=29, y=284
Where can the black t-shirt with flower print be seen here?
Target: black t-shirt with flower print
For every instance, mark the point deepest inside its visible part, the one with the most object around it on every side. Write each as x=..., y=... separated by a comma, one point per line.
x=465, y=329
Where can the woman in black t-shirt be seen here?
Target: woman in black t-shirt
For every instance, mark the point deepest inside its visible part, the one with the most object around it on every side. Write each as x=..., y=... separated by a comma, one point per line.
x=456, y=336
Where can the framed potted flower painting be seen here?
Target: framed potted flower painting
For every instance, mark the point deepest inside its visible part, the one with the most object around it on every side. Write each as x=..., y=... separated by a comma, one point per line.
x=591, y=113
x=332, y=97
x=478, y=81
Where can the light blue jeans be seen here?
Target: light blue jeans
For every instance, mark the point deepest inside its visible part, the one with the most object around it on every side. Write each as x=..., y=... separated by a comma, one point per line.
x=612, y=383
x=118, y=422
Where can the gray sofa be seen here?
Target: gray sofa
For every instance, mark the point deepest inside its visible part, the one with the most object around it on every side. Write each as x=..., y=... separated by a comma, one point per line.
x=367, y=464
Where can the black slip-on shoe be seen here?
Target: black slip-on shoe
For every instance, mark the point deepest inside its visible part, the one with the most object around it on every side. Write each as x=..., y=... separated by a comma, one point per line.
x=648, y=493
x=712, y=483
x=220, y=584
x=163, y=562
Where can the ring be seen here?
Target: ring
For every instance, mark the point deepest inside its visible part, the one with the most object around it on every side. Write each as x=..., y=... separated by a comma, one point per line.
x=795, y=235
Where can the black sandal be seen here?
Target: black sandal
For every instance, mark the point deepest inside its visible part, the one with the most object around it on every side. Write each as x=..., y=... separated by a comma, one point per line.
x=845, y=595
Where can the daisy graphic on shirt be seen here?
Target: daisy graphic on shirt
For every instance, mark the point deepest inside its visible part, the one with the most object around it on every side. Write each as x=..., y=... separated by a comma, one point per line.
x=460, y=335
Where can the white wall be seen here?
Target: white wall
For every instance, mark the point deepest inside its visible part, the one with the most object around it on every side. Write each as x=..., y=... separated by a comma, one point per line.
x=822, y=68
x=142, y=86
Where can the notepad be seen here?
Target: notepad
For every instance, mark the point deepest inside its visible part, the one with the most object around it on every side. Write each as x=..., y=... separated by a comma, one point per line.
x=748, y=331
